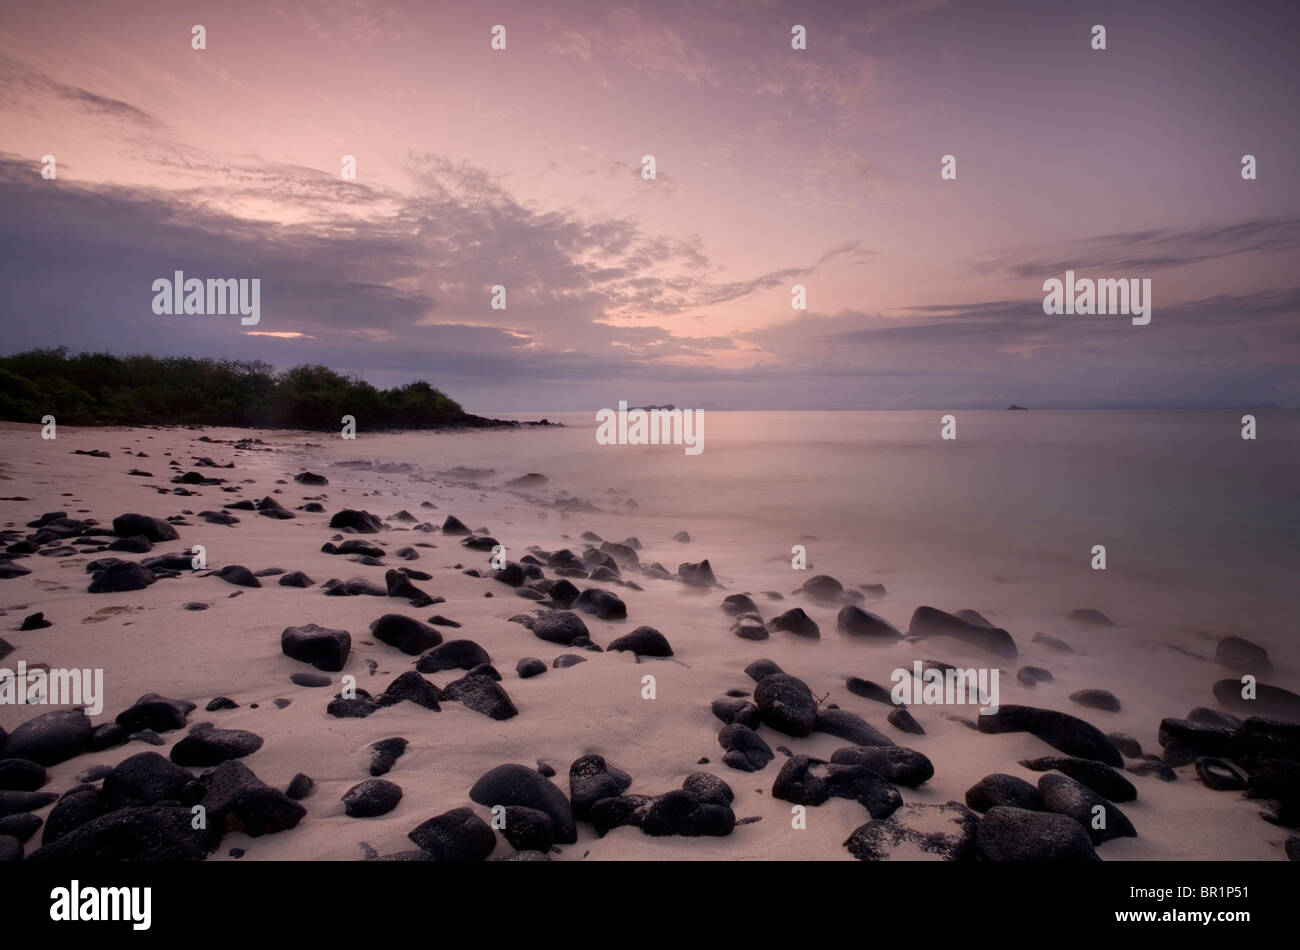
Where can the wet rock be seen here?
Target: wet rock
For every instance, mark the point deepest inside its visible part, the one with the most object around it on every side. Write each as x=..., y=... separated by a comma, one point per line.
x=153, y=833
x=1033, y=675
x=481, y=694
x=759, y=669
x=1185, y=740
x=411, y=687
x=566, y=660
x=21, y=775
x=559, y=626
x=822, y=587
x=1270, y=701
x=1000, y=789
x=1154, y=768
x=405, y=633
x=152, y=711
x=12, y=803
x=238, y=575
x=155, y=529
x=362, y=522
x=1102, y=779
x=144, y=779
x=207, y=745
x=322, y=647
x=797, y=622
x=902, y=720
x=518, y=785
x=896, y=764
x=1219, y=774
x=119, y=577
x=739, y=604
x=1241, y=654
x=682, y=813
x=697, y=575
x=917, y=832
x=869, y=690
x=458, y=835
x=385, y=753
x=745, y=749
x=807, y=781
x=371, y=798
x=529, y=830
x=237, y=800
x=1096, y=699
x=591, y=778
x=851, y=727
x=643, y=641
x=786, y=704
x=1052, y=643
x=49, y=738
x=300, y=787
x=72, y=811
x=1064, y=732
x=602, y=603
x=452, y=655
x=732, y=709
x=858, y=622
x=529, y=667
x=357, y=707
x=1017, y=834
x=455, y=527
x=930, y=622
x=221, y=702
x=1065, y=796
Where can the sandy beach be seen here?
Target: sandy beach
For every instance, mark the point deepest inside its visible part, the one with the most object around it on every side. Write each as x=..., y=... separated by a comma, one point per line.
x=152, y=640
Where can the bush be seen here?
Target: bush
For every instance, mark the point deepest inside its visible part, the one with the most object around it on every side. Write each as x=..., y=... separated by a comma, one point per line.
x=100, y=389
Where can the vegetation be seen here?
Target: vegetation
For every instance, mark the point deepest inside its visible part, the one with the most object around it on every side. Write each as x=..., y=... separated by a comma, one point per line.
x=100, y=389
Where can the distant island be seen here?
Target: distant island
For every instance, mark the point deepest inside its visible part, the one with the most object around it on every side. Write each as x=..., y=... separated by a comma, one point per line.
x=99, y=389
x=1014, y=406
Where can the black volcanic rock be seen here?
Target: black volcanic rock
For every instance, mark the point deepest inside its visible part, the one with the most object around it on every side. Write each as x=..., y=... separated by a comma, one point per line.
x=406, y=633
x=458, y=835
x=322, y=647
x=362, y=522
x=786, y=704
x=1000, y=789
x=929, y=622
x=519, y=785
x=371, y=798
x=1017, y=834
x=858, y=622
x=1067, y=733
x=559, y=626
x=643, y=641
x=155, y=529
x=1065, y=796
x=797, y=622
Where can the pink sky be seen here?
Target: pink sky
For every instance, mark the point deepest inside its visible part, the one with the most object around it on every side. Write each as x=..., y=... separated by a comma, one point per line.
x=775, y=167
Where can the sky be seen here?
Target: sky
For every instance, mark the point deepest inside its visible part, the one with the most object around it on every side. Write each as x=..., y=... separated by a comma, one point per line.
x=774, y=167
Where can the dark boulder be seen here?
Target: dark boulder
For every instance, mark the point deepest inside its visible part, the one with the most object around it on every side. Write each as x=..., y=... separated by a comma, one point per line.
x=1017, y=834
x=519, y=785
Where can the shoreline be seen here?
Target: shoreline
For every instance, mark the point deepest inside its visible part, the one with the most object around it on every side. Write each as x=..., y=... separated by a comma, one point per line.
x=232, y=648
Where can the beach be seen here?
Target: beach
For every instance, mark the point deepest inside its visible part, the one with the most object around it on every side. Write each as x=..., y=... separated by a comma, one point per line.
x=884, y=519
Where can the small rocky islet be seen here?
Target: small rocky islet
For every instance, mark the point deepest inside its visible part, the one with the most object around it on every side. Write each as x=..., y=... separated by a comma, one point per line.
x=170, y=765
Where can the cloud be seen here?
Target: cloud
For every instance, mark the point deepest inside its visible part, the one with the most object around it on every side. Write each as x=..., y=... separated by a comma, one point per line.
x=23, y=87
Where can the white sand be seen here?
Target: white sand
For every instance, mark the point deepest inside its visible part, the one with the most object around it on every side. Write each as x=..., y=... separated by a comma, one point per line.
x=146, y=642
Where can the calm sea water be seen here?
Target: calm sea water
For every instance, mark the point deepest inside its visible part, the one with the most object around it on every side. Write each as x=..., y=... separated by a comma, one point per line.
x=1201, y=527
